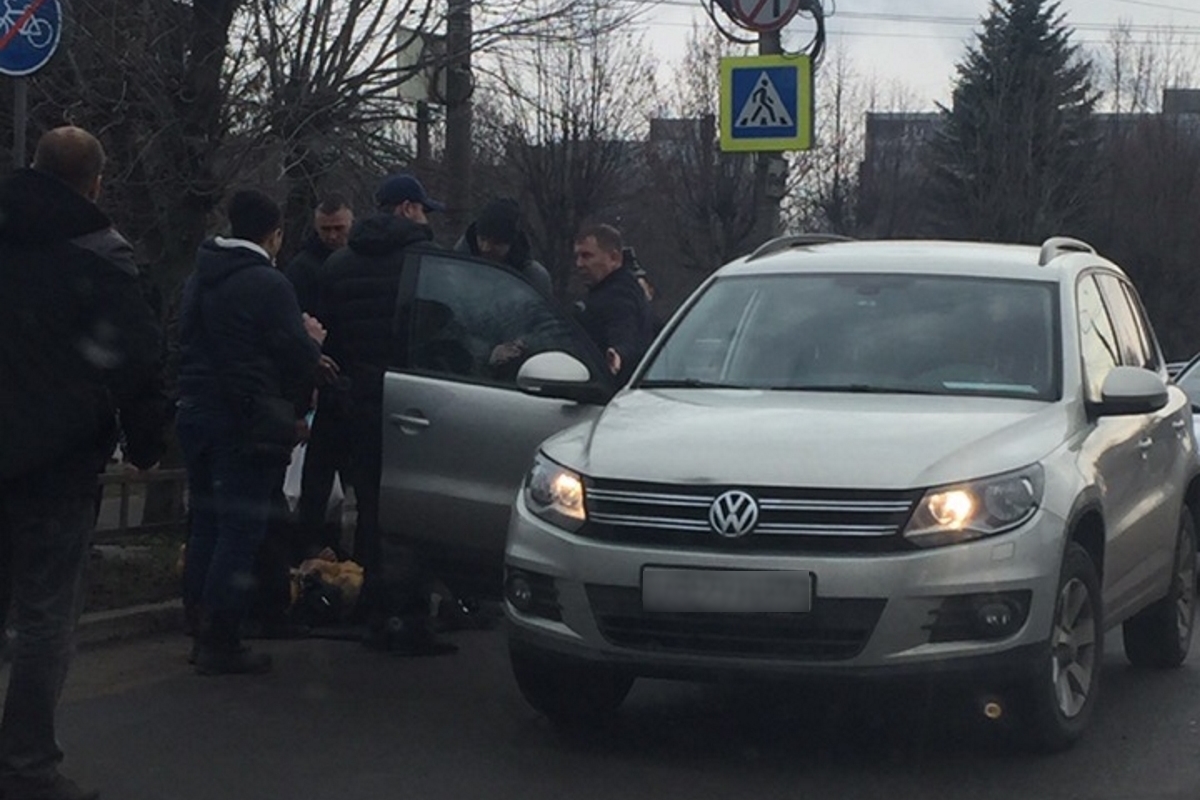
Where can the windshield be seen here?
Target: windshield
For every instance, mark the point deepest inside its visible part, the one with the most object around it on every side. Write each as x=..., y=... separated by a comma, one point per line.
x=918, y=334
x=1189, y=381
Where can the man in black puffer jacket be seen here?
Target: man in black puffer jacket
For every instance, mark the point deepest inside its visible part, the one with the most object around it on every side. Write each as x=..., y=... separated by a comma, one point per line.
x=496, y=235
x=78, y=345
x=359, y=287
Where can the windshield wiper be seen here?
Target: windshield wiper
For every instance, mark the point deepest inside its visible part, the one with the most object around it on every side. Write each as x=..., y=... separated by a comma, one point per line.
x=857, y=388
x=689, y=383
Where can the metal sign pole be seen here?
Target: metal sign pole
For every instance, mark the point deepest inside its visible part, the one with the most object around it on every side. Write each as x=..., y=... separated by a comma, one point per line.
x=29, y=34
x=20, y=114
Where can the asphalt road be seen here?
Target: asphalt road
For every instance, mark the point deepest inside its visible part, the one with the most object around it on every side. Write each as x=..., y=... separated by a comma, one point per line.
x=336, y=721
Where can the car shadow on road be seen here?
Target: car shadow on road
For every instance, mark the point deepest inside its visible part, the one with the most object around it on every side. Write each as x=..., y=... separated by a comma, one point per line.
x=786, y=722
x=907, y=725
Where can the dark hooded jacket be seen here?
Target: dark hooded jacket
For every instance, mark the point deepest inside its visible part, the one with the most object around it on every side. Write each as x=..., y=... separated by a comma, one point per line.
x=615, y=314
x=78, y=341
x=519, y=258
x=304, y=272
x=240, y=332
x=359, y=287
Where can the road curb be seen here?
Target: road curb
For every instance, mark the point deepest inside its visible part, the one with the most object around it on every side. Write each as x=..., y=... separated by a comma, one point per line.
x=101, y=627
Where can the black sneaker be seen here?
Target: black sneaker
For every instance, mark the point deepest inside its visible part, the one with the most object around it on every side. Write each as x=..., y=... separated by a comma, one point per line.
x=54, y=787
x=406, y=637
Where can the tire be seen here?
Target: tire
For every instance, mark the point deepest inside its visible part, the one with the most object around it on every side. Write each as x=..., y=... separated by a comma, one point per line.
x=572, y=694
x=1160, y=636
x=1062, y=693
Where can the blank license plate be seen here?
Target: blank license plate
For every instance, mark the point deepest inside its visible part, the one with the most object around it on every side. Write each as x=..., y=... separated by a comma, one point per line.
x=713, y=590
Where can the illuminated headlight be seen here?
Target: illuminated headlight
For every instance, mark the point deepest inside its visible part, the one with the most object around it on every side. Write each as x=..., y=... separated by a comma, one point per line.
x=555, y=494
x=960, y=513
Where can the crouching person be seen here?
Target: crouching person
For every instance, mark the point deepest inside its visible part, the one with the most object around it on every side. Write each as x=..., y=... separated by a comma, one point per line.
x=246, y=358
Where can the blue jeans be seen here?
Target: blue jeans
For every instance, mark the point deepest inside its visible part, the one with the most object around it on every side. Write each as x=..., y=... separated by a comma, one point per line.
x=46, y=523
x=229, y=505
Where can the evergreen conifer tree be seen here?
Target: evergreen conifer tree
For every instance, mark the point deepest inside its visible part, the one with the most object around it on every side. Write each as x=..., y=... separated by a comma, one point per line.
x=1014, y=158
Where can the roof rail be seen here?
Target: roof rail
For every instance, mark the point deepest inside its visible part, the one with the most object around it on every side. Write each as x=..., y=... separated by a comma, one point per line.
x=1055, y=246
x=795, y=240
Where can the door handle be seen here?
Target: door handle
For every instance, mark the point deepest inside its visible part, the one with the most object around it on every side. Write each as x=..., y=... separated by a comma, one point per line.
x=1145, y=444
x=1179, y=424
x=409, y=420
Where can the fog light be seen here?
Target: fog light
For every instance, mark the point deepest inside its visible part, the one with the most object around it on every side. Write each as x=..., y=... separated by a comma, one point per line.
x=519, y=592
x=996, y=618
x=990, y=616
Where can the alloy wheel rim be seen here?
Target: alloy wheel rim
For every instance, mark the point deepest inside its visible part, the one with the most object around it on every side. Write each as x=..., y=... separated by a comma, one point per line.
x=1185, y=600
x=1073, y=657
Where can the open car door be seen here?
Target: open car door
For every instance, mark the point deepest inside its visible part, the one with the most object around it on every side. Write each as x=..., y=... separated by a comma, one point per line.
x=458, y=434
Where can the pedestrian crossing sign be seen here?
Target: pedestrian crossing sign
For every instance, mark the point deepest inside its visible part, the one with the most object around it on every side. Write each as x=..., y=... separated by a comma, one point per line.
x=766, y=103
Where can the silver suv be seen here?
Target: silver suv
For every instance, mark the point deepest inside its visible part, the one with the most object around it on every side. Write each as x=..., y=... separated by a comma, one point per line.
x=868, y=459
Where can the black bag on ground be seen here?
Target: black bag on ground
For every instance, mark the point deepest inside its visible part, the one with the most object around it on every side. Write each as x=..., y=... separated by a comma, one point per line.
x=319, y=603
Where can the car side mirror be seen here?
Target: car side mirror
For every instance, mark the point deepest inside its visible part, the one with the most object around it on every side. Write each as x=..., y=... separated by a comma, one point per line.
x=1131, y=390
x=561, y=375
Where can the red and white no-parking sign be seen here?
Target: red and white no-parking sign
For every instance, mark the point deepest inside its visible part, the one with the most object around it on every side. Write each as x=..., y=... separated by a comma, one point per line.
x=764, y=15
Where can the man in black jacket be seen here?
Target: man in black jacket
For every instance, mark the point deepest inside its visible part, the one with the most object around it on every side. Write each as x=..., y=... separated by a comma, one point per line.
x=496, y=235
x=359, y=287
x=615, y=313
x=332, y=220
x=326, y=453
x=78, y=344
x=247, y=357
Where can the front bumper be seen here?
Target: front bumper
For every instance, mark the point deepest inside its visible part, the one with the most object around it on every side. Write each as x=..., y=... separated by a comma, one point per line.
x=873, y=614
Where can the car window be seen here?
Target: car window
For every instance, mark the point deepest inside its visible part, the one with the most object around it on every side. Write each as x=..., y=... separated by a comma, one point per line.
x=1155, y=359
x=921, y=334
x=1097, y=340
x=1131, y=339
x=475, y=321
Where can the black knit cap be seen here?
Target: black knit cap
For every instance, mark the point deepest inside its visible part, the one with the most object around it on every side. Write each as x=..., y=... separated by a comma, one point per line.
x=499, y=221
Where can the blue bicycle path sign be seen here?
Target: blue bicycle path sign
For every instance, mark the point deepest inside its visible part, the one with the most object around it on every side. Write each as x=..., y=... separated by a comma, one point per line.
x=29, y=34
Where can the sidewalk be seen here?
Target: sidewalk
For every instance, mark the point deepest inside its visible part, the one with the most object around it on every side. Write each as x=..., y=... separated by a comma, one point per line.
x=103, y=627
x=118, y=624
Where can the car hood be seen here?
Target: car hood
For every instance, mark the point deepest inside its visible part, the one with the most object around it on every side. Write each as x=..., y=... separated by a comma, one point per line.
x=820, y=440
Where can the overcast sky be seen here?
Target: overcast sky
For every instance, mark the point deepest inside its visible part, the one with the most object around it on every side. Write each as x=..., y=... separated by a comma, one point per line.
x=919, y=42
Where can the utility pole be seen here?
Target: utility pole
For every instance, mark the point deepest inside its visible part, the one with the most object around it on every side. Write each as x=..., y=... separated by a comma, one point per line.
x=20, y=121
x=459, y=114
x=424, y=155
x=769, y=168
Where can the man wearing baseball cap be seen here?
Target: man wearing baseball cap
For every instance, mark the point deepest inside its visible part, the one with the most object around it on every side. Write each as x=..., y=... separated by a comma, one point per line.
x=406, y=197
x=357, y=304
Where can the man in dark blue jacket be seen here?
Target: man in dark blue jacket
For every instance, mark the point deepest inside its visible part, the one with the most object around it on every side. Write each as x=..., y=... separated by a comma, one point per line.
x=78, y=343
x=359, y=288
x=615, y=313
x=246, y=355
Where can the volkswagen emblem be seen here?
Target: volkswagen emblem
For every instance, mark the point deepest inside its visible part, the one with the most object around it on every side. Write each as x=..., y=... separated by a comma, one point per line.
x=733, y=514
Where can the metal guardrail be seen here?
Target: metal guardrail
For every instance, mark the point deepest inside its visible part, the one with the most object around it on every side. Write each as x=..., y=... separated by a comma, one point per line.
x=126, y=481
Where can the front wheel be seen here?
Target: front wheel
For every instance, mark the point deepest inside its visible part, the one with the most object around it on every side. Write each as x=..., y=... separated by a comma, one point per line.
x=572, y=694
x=1161, y=635
x=1061, y=695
